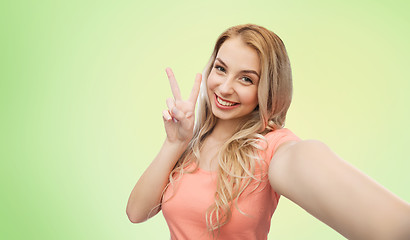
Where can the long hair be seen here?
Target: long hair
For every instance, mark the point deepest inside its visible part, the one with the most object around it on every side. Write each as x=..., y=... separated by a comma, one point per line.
x=238, y=157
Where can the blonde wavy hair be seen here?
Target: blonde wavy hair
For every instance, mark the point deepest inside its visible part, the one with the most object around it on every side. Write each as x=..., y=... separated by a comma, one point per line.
x=238, y=157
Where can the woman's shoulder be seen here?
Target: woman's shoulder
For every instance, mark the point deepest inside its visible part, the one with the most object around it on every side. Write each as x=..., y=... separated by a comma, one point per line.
x=277, y=137
x=279, y=134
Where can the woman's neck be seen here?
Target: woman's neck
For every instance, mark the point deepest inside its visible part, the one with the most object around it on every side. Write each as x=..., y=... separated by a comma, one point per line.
x=224, y=129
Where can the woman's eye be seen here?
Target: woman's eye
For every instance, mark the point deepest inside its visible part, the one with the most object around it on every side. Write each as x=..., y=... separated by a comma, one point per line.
x=219, y=68
x=247, y=80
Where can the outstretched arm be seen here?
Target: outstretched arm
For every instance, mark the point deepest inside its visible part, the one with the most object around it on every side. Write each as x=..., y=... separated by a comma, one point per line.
x=338, y=194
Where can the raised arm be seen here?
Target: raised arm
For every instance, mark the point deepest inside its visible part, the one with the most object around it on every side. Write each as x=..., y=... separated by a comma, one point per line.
x=338, y=194
x=145, y=198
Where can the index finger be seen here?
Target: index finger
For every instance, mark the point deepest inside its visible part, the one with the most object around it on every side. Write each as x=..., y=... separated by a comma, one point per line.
x=174, y=84
x=195, y=89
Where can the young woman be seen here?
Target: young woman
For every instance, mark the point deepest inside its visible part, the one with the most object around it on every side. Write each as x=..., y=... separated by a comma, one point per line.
x=223, y=178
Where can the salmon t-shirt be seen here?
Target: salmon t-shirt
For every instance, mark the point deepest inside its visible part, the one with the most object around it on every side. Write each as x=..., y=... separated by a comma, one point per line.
x=185, y=202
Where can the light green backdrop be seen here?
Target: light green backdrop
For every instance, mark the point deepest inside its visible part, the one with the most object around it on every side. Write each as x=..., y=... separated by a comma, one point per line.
x=83, y=87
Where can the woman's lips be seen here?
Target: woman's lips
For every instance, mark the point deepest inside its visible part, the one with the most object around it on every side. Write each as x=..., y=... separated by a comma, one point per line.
x=224, y=104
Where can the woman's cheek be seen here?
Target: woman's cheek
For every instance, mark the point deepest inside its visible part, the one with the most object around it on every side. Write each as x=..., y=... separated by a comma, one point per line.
x=212, y=81
x=249, y=96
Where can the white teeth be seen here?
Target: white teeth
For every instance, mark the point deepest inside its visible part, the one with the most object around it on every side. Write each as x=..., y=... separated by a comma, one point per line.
x=224, y=103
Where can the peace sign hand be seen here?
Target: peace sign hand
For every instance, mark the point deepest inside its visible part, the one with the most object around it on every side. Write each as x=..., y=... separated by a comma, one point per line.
x=180, y=116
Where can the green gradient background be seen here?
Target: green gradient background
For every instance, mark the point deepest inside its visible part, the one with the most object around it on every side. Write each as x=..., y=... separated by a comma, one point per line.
x=83, y=87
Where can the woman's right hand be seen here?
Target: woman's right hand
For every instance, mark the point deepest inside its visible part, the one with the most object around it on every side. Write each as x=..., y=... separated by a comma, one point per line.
x=145, y=198
x=179, y=118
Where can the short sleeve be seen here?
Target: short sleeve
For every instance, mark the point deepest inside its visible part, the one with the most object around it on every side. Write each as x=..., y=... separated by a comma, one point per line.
x=275, y=139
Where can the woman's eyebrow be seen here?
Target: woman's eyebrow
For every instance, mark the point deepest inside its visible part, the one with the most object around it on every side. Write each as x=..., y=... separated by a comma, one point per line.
x=251, y=71
x=221, y=61
x=244, y=71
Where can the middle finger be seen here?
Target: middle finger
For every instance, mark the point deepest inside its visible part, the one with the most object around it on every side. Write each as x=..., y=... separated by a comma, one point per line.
x=174, y=84
x=170, y=104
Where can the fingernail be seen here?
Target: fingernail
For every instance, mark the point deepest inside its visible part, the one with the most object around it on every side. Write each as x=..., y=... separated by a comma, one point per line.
x=175, y=111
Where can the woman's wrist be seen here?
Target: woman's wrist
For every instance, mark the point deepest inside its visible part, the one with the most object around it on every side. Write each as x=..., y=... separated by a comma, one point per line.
x=176, y=145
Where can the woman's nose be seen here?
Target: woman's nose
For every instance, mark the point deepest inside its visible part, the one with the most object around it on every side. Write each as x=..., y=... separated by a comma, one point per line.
x=226, y=87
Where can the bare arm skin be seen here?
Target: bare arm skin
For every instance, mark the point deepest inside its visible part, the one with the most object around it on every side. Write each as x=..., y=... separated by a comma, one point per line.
x=145, y=197
x=311, y=175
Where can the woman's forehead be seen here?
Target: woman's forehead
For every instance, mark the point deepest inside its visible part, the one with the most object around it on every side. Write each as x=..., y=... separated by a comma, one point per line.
x=236, y=54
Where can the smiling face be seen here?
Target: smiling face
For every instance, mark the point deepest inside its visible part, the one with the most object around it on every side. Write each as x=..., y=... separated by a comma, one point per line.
x=232, y=84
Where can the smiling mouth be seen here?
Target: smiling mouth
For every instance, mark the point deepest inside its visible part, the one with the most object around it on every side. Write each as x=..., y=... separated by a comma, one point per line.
x=224, y=103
